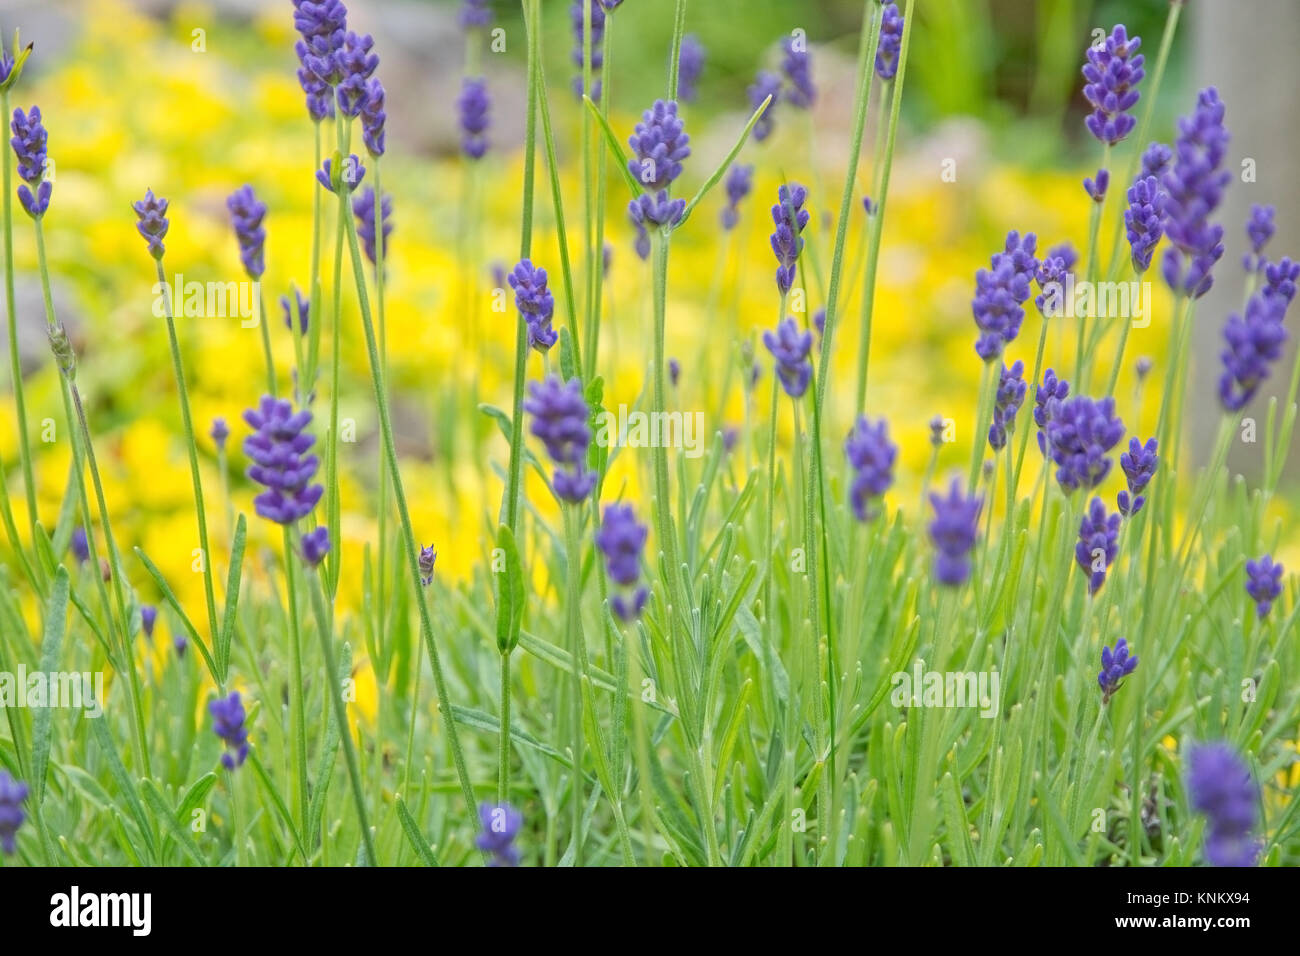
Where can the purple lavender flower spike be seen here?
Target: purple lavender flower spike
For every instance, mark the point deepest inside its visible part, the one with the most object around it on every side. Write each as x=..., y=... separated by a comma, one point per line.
x=246, y=215
x=790, y=347
x=148, y=619
x=220, y=432
x=660, y=143
x=535, y=304
x=1080, y=433
x=1155, y=160
x=1254, y=343
x=363, y=207
x=657, y=210
x=936, y=431
x=1280, y=279
x=891, y=41
x=577, y=15
x=278, y=448
x=1142, y=367
x=1220, y=786
x=690, y=64
x=228, y=724
x=1052, y=389
x=621, y=538
x=323, y=26
x=1000, y=293
x=739, y=182
x=1096, y=189
x=1098, y=543
x=1115, y=666
x=427, y=558
x=1143, y=221
x=819, y=323
x=30, y=143
x=473, y=104
x=1264, y=583
x=765, y=84
x=151, y=212
x=500, y=828
x=953, y=531
x=642, y=242
x=80, y=545
x=674, y=371
x=320, y=101
x=790, y=218
x=12, y=794
x=560, y=420
x=1010, y=396
x=357, y=64
x=730, y=434
x=299, y=306
x=1113, y=72
x=373, y=118
x=1051, y=278
x=1259, y=230
x=315, y=545
x=350, y=175
x=475, y=13
x=1195, y=183
x=871, y=455
x=1139, y=465
x=797, y=67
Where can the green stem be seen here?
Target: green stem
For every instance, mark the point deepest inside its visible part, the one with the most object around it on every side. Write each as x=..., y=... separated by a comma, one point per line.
x=297, y=692
x=503, y=747
x=577, y=647
x=325, y=629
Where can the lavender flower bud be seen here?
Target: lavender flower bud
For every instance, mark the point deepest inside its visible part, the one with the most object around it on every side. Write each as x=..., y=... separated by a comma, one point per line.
x=1113, y=72
x=320, y=102
x=1143, y=221
x=500, y=828
x=674, y=371
x=790, y=347
x=1114, y=668
x=1096, y=190
x=1195, y=183
x=1254, y=343
x=1080, y=432
x=1139, y=464
x=790, y=219
x=373, y=118
x=1263, y=583
x=349, y=177
x=621, y=538
x=426, y=560
x=578, y=16
x=739, y=182
x=800, y=93
x=765, y=84
x=65, y=357
x=1052, y=389
x=561, y=421
x=473, y=104
x=936, y=431
x=363, y=207
x=690, y=64
x=148, y=619
x=1155, y=160
x=1010, y=396
x=475, y=13
x=535, y=304
x=660, y=143
x=1098, y=543
x=1280, y=279
x=890, y=43
x=228, y=724
x=298, y=306
x=246, y=215
x=30, y=143
x=871, y=455
x=80, y=545
x=953, y=531
x=12, y=794
x=315, y=545
x=1220, y=786
x=278, y=448
x=151, y=212
x=1142, y=367
x=357, y=64
x=220, y=432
